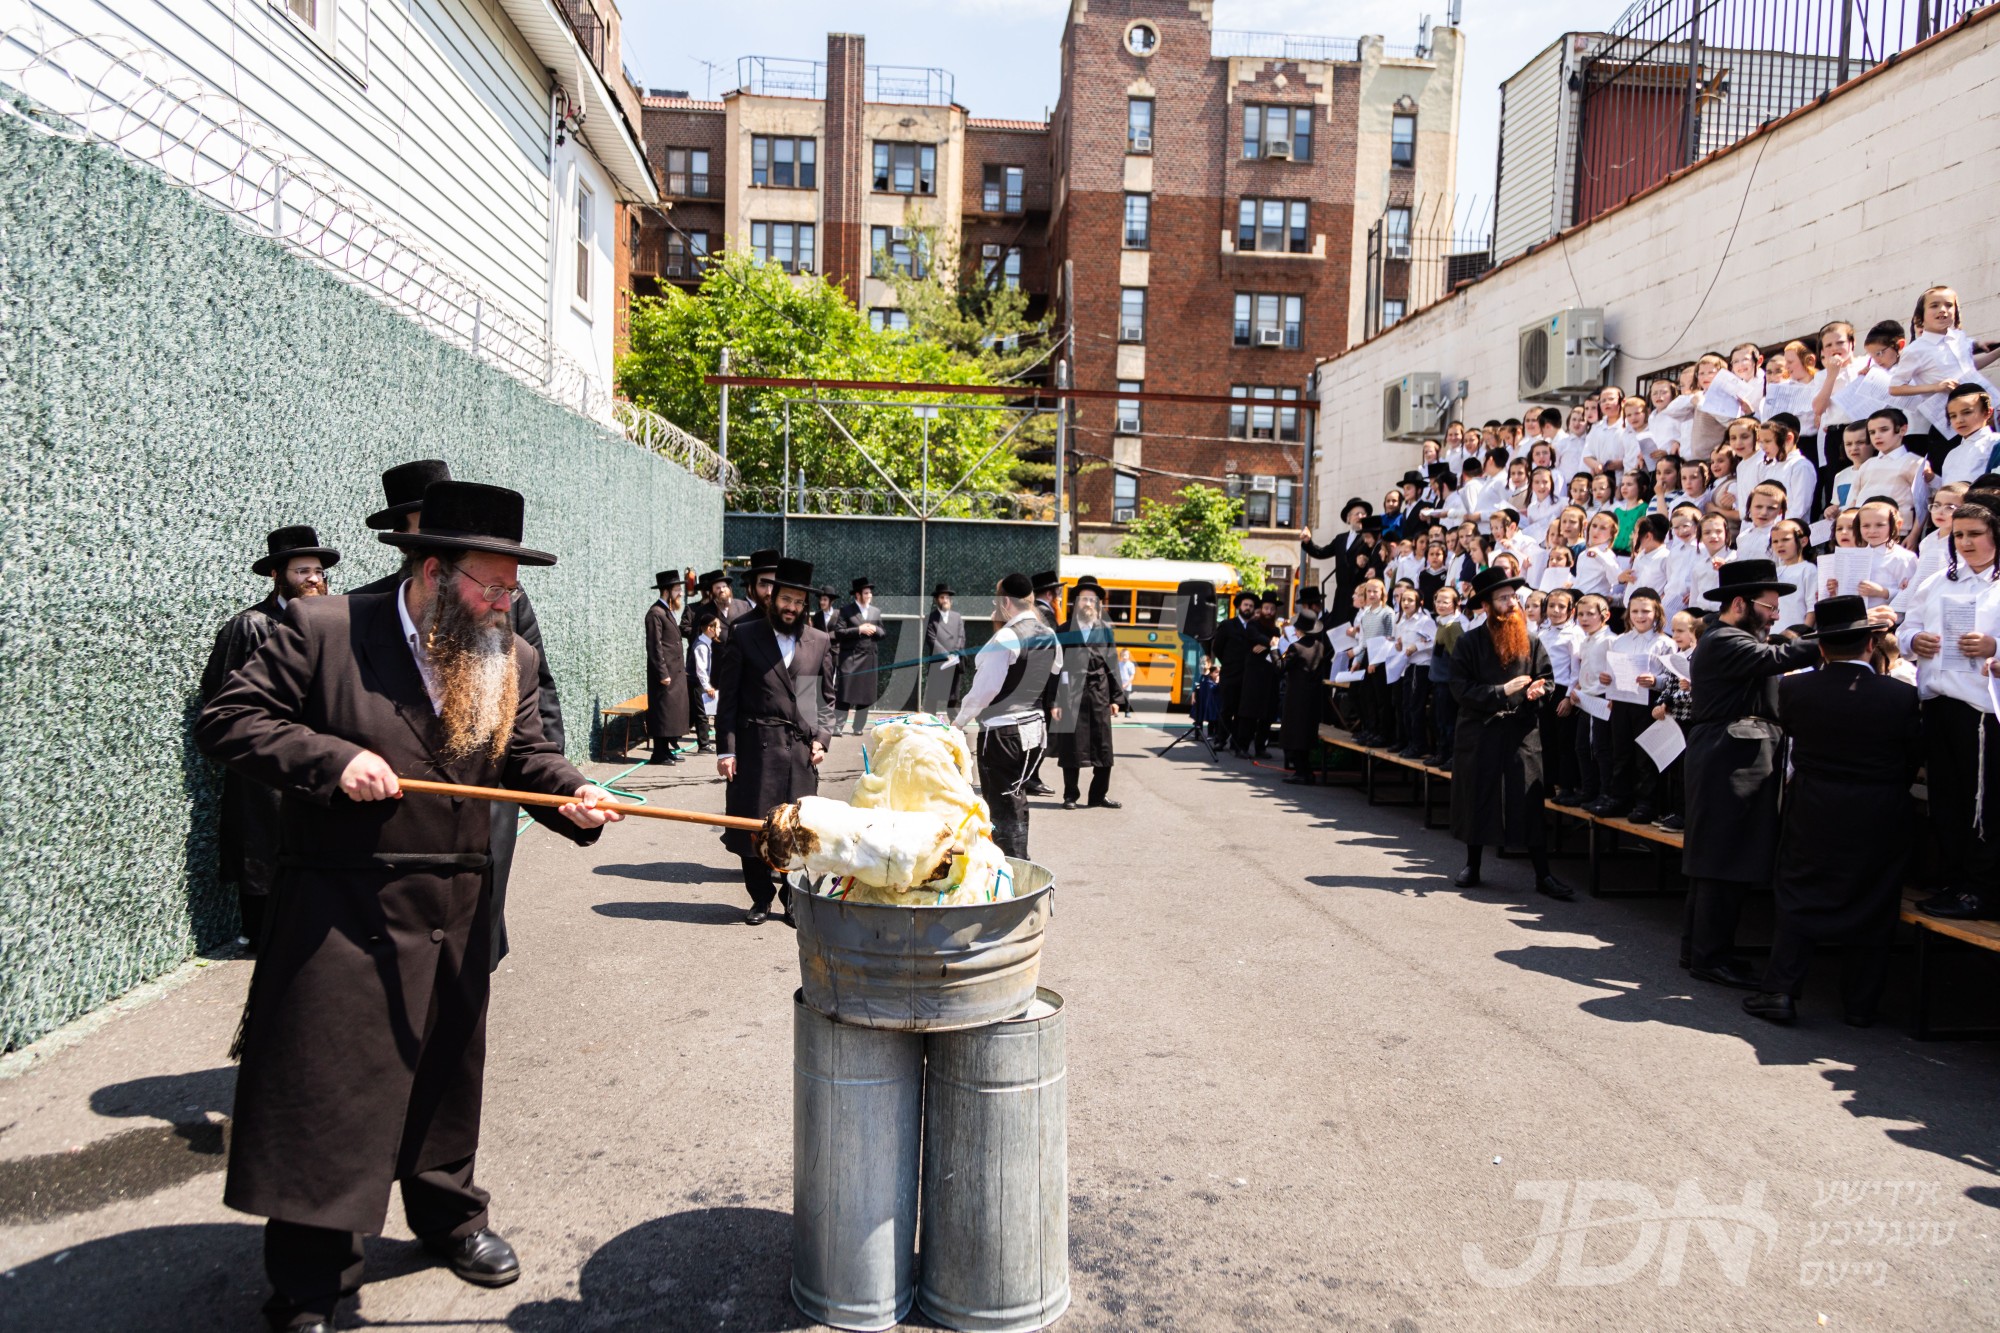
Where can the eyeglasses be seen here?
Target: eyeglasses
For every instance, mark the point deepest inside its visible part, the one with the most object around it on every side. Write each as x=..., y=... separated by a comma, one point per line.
x=492, y=592
x=1772, y=607
x=309, y=575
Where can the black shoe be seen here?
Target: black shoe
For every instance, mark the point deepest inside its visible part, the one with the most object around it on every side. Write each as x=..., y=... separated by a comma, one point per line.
x=483, y=1258
x=1039, y=789
x=1569, y=798
x=1551, y=887
x=1300, y=780
x=1069, y=804
x=1240, y=754
x=706, y=747
x=1643, y=814
x=1958, y=907
x=1858, y=1020
x=279, y=1314
x=1771, y=1007
x=1670, y=824
x=1610, y=809
x=756, y=916
x=1443, y=764
x=665, y=757
x=1466, y=878
x=1727, y=974
x=1107, y=804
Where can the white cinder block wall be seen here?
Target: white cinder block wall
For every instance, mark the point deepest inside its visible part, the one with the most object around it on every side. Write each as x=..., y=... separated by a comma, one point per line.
x=1856, y=205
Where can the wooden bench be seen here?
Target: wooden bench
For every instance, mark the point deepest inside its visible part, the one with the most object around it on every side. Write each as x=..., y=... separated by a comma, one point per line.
x=1978, y=934
x=1601, y=837
x=1425, y=780
x=621, y=714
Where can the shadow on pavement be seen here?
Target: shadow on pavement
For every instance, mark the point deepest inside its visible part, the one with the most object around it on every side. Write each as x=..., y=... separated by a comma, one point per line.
x=726, y=1269
x=672, y=872
x=199, y=1276
x=693, y=914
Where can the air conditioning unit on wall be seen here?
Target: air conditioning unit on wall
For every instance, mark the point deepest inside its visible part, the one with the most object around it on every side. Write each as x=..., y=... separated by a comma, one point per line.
x=1413, y=407
x=1562, y=357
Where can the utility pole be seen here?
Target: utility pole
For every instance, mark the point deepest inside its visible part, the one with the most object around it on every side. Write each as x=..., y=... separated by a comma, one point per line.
x=722, y=433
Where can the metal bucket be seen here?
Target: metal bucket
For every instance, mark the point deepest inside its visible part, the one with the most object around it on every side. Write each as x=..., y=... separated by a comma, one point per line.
x=857, y=1117
x=996, y=1173
x=925, y=969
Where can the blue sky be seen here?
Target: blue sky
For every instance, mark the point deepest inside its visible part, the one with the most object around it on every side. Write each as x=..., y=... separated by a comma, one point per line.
x=1003, y=52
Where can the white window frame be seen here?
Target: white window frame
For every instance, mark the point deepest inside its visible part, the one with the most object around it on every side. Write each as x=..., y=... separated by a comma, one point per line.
x=583, y=265
x=1121, y=513
x=1130, y=421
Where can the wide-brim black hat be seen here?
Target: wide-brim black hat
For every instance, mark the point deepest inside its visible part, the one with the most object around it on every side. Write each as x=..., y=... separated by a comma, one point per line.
x=1310, y=596
x=1087, y=581
x=1489, y=581
x=667, y=578
x=1370, y=522
x=791, y=573
x=403, y=486
x=1840, y=618
x=1349, y=507
x=1046, y=581
x=471, y=516
x=1412, y=478
x=859, y=585
x=1439, y=469
x=714, y=576
x=944, y=590
x=763, y=562
x=1742, y=578
x=288, y=542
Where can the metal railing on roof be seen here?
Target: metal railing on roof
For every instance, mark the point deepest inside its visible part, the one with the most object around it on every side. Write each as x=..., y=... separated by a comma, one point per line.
x=781, y=76
x=1224, y=43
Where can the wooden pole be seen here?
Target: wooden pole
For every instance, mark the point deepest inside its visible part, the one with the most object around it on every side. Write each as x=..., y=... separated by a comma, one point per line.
x=537, y=798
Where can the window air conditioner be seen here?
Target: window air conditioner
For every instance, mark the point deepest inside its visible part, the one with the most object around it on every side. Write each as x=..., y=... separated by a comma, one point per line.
x=1562, y=356
x=1280, y=149
x=1142, y=143
x=1263, y=481
x=899, y=233
x=1412, y=407
x=1124, y=515
x=673, y=268
x=1128, y=425
x=1261, y=432
x=1270, y=337
x=1398, y=249
x=1131, y=333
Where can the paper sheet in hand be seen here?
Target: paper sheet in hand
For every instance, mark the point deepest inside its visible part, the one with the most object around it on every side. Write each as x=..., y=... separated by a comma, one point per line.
x=1676, y=662
x=1556, y=576
x=1663, y=742
x=1625, y=671
x=1393, y=669
x=1379, y=649
x=1849, y=567
x=1595, y=705
x=1821, y=532
x=1957, y=616
x=1346, y=677
x=1793, y=398
x=1861, y=396
x=1726, y=396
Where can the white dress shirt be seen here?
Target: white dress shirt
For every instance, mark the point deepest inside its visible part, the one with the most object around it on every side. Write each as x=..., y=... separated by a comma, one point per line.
x=1926, y=616
x=1967, y=459
x=1894, y=475
x=990, y=666
x=1929, y=358
x=1564, y=645
x=1796, y=474
x=411, y=637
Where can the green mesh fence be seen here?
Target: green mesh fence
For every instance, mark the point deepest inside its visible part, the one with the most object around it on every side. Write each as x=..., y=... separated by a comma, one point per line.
x=172, y=387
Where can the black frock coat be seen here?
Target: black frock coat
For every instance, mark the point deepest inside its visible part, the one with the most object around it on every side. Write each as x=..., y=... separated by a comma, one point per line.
x=768, y=716
x=944, y=636
x=1733, y=741
x=1259, y=701
x=666, y=655
x=1856, y=741
x=1304, y=667
x=1086, y=690
x=1496, y=767
x=364, y=1043
x=248, y=832
x=860, y=656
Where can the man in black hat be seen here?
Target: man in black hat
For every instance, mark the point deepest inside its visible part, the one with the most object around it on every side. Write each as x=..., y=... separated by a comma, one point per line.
x=1856, y=744
x=944, y=645
x=1089, y=695
x=757, y=584
x=1010, y=674
x=296, y=564
x=1048, y=585
x=666, y=668
x=403, y=489
x=1499, y=673
x=1231, y=647
x=774, y=719
x=715, y=590
x=1257, y=705
x=713, y=595
x=364, y=1036
x=857, y=634
x=1732, y=764
x=823, y=618
x=1349, y=556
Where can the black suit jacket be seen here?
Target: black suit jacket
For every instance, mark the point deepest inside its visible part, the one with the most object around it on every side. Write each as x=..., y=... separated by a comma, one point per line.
x=767, y=715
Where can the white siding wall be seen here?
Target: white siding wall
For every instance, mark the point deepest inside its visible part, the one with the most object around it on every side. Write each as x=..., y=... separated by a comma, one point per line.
x=1533, y=106
x=1854, y=209
x=435, y=110
x=583, y=326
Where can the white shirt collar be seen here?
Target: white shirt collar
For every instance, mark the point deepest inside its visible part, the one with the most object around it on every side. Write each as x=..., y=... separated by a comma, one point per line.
x=411, y=637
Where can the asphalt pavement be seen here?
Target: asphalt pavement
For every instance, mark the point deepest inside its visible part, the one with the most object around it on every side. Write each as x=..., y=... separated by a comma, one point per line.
x=1312, y=1086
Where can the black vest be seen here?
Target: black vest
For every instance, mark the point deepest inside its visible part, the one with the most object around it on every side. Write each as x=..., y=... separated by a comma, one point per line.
x=1028, y=675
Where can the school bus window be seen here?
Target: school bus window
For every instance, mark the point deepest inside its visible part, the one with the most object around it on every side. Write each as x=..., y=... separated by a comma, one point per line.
x=1118, y=607
x=1152, y=608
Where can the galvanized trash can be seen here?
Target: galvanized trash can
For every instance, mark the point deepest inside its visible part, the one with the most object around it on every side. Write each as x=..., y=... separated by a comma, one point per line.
x=925, y=969
x=857, y=1120
x=996, y=1173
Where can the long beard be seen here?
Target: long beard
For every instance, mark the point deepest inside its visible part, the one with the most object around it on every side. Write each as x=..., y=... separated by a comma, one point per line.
x=473, y=666
x=1510, y=636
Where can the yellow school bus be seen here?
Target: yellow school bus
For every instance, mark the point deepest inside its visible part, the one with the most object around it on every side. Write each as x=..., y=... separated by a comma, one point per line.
x=1143, y=612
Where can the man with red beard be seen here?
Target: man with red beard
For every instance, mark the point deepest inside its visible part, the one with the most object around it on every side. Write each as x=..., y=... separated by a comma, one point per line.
x=296, y=564
x=1499, y=674
x=364, y=1037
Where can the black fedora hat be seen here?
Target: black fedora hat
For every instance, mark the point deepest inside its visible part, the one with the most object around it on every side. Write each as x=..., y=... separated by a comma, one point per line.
x=1412, y=478
x=1840, y=618
x=1439, y=470
x=1087, y=581
x=864, y=583
x=763, y=562
x=1489, y=581
x=287, y=542
x=1743, y=578
x=828, y=593
x=1370, y=522
x=790, y=573
x=403, y=486
x=1047, y=581
x=707, y=581
x=943, y=590
x=1312, y=595
x=471, y=516
x=1349, y=507
x=668, y=578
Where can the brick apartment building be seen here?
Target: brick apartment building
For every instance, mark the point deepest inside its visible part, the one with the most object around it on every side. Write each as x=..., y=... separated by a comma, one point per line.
x=1207, y=193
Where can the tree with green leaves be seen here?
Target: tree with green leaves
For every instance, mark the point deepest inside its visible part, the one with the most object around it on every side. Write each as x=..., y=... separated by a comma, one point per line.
x=1200, y=525
x=783, y=326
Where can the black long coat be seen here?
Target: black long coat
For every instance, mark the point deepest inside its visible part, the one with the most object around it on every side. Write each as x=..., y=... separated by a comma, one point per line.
x=248, y=835
x=1733, y=739
x=666, y=657
x=1856, y=741
x=1304, y=667
x=860, y=658
x=944, y=636
x=1259, y=700
x=1352, y=563
x=1496, y=768
x=768, y=716
x=1086, y=690
x=365, y=1034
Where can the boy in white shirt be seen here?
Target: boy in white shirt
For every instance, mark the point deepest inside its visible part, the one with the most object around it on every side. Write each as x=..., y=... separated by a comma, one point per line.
x=1893, y=471
x=1778, y=459
x=1685, y=559
x=1651, y=560
x=1593, y=735
x=1761, y=513
x=1969, y=413
x=1937, y=360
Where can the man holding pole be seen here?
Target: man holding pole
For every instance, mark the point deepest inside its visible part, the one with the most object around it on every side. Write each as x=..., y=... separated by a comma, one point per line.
x=364, y=1037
